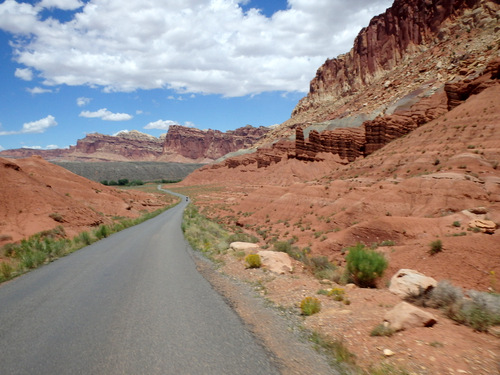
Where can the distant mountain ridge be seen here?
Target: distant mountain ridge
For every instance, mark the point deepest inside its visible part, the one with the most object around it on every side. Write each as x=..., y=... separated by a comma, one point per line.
x=180, y=144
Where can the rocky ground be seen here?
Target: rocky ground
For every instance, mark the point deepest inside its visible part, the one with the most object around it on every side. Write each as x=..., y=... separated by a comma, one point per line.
x=426, y=186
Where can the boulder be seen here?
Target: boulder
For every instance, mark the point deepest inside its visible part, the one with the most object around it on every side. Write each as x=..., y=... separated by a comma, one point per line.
x=406, y=283
x=244, y=246
x=486, y=226
x=275, y=261
x=404, y=316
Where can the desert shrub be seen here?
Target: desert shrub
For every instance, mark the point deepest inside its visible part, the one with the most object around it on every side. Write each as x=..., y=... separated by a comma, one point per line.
x=310, y=306
x=445, y=294
x=364, y=265
x=9, y=249
x=456, y=224
x=339, y=351
x=338, y=294
x=6, y=270
x=253, y=261
x=435, y=247
x=322, y=267
x=479, y=312
x=84, y=237
x=283, y=246
x=242, y=237
x=102, y=232
x=382, y=330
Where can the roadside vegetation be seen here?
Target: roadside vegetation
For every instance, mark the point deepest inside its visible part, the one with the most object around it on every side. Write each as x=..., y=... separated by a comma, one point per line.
x=49, y=245
x=207, y=236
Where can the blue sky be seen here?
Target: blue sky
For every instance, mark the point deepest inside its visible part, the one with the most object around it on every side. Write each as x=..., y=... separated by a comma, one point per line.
x=73, y=67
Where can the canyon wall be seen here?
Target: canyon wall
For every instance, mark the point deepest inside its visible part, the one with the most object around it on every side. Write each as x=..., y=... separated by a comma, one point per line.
x=413, y=39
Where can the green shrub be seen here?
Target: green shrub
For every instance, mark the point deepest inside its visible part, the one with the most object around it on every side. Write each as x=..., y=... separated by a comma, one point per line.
x=310, y=306
x=85, y=238
x=102, y=232
x=283, y=246
x=382, y=330
x=338, y=294
x=242, y=237
x=253, y=261
x=364, y=265
x=322, y=268
x=456, y=224
x=6, y=270
x=436, y=247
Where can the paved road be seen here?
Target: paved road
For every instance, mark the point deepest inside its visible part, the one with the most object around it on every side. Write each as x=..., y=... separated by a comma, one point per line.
x=132, y=303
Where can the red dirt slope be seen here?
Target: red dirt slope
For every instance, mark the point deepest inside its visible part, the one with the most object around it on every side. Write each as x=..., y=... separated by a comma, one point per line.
x=32, y=190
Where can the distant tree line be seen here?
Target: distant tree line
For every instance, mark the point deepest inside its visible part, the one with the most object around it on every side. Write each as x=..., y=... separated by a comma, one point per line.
x=122, y=182
x=126, y=182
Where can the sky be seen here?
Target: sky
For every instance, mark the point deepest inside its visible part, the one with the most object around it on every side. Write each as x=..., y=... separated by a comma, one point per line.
x=73, y=67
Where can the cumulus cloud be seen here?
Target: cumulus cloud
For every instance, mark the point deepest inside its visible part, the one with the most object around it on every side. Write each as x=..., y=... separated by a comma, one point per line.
x=38, y=90
x=39, y=126
x=82, y=101
x=24, y=73
x=192, y=46
x=106, y=115
x=161, y=124
x=1, y=148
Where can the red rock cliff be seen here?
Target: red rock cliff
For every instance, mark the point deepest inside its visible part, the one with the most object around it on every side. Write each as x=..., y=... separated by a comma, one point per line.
x=204, y=145
x=404, y=31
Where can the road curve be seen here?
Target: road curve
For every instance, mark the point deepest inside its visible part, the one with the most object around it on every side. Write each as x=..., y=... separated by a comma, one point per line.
x=132, y=303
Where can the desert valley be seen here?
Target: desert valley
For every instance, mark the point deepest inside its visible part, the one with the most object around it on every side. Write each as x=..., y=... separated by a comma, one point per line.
x=396, y=148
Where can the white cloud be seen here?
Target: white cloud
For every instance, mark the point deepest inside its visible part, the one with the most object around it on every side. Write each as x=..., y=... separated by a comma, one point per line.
x=24, y=73
x=1, y=148
x=161, y=124
x=51, y=147
x=106, y=115
x=82, y=101
x=192, y=46
x=33, y=147
x=39, y=126
x=38, y=90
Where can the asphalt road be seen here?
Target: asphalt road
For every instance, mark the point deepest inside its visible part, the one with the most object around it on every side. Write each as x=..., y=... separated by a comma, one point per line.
x=132, y=303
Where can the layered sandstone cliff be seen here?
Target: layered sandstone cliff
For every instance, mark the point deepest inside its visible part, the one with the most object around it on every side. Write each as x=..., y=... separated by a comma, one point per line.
x=413, y=44
x=209, y=145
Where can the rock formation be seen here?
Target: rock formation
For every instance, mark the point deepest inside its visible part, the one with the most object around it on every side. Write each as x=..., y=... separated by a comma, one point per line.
x=208, y=145
x=406, y=29
x=188, y=145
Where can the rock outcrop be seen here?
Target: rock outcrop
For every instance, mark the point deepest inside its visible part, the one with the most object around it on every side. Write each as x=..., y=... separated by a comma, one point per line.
x=404, y=316
x=126, y=145
x=209, y=145
x=407, y=283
